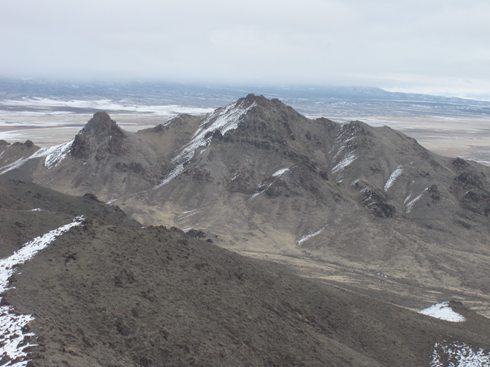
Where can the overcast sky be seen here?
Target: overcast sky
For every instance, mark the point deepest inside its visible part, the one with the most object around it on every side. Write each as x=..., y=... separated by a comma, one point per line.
x=434, y=46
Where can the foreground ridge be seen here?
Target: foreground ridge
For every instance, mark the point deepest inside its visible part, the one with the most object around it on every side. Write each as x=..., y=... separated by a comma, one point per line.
x=14, y=339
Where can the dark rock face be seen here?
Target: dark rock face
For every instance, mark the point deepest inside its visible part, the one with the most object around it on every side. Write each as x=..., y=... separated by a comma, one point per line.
x=28, y=143
x=376, y=203
x=469, y=180
x=475, y=190
x=101, y=124
x=80, y=147
x=101, y=135
x=434, y=192
x=460, y=163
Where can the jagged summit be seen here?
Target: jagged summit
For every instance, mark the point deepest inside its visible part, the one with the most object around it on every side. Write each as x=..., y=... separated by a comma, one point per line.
x=101, y=134
x=265, y=105
x=102, y=124
x=260, y=100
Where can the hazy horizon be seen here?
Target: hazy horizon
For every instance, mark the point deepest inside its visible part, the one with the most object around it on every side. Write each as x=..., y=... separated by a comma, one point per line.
x=437, y=48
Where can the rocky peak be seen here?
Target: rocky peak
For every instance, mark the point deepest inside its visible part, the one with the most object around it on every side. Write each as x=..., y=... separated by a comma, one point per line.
x=264, y=103
x=251, y=98
x=101, y=134
x=101, y=124
x=26, y=144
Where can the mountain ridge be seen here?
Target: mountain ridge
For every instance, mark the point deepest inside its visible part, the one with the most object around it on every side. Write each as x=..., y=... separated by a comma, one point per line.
x=341, y=202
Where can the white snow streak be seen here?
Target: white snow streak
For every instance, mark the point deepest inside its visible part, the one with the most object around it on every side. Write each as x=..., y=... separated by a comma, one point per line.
x=411, y=204
x=443, y=311
x=280, y=172
x=54, y=155
x=13, y=337
x=187, y=214
x=309, y=236
x=223, y=120
x=261, y=191
x=349, y=158
x=391, y=180
x=458, y=354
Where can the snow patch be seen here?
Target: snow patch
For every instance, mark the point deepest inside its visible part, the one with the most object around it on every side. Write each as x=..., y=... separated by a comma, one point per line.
x=349, y=159
x=222, y=120
x=444, y=312
x=391, y=180
x=55, y=154
x=280, y=172
x=14, y=339
x=458, y=354
x=309, y=236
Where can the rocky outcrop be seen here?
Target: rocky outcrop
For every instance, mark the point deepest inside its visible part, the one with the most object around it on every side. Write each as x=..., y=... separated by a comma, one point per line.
x=100, y=136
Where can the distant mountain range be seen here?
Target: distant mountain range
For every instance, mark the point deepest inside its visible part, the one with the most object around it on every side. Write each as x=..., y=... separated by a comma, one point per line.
x=337, y=102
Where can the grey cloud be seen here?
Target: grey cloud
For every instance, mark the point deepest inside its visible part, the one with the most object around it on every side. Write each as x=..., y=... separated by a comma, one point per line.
x=430, y=46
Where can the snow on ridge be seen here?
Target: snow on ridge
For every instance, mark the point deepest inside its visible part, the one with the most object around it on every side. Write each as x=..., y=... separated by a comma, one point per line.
x=393, y=177
x=14, y=340
x=309, y=236
x=348, y=159
x=222, y=120
x=443, y=311
x=54, y=155
x=459, y=354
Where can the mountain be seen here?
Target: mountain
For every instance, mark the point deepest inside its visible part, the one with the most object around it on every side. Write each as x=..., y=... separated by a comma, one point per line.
x=365, y=208
x=338, y=101
x=106, y=291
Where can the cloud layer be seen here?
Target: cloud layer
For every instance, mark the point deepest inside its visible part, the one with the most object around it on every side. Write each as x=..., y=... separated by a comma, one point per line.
x=439, y=46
